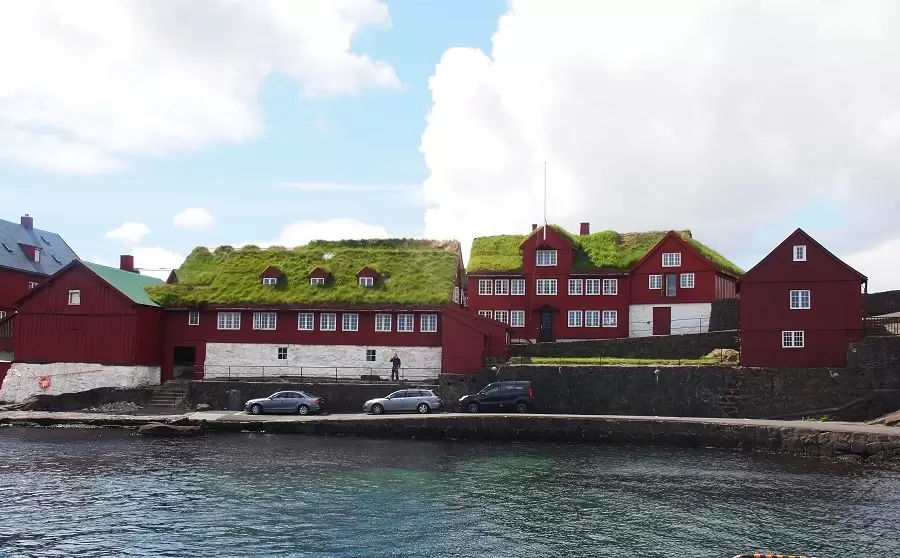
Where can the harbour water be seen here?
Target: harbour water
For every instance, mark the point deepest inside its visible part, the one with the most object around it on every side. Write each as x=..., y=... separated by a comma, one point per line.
x=107, y=492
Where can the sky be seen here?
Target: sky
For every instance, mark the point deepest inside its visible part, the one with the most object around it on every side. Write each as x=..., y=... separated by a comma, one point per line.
x=151, y=127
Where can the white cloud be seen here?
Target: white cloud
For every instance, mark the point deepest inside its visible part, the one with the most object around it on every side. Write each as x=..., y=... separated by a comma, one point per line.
x=194, y=219
x=156, y=261
x=129, y=232
x=880, y=264
x=738, y=120
x=301, y=232
x=87, y=85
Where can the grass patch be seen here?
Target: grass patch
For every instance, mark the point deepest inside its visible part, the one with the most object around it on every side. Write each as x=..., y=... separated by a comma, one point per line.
x=619, y=361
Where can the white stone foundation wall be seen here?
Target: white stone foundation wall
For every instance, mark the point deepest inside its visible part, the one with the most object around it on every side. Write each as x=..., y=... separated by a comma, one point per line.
x=686, y=318
x=24, y=380
x=237, y=360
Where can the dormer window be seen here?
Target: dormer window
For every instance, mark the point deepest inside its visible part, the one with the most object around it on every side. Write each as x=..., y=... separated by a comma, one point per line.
x=366, y=281
x=271, y=276
x=800, y=253
x=367, y=276
x=546, y=258
x=317, y=281
x=37, y=255
x=269, y=280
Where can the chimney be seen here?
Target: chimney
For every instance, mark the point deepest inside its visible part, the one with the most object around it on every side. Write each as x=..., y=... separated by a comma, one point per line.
x=126, y=263
x=534, y=226
x=27, y=221
x=585, y=229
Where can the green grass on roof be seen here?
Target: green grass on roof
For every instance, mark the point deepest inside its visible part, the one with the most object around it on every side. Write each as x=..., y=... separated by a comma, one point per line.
x=496, y=253
x=412, y=272
x=717, y=258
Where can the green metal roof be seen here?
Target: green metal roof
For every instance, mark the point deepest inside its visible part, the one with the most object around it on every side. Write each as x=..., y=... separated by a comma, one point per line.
x=128, y=283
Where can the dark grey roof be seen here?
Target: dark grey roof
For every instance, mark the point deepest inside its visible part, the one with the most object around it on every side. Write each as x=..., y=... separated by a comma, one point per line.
x=55, y=253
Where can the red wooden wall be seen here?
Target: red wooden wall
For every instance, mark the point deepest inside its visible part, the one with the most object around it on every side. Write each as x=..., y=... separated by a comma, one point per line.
x=14, y=285
x=708, y=284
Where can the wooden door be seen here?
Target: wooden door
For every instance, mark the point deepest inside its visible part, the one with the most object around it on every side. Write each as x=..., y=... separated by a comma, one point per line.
x=546, y=326
x=662, y=320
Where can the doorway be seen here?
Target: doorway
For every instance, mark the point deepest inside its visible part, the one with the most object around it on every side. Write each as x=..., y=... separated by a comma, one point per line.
x=184, y=360
x=546, y=332
x=662, y=320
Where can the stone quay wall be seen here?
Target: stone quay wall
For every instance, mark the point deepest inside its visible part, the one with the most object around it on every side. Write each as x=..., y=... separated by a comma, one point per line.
x=693, y=345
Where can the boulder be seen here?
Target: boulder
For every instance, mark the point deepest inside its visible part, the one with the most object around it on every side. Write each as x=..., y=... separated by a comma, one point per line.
x=203, y=407
x=163, y=430
x=181, y=421
x=892, y=419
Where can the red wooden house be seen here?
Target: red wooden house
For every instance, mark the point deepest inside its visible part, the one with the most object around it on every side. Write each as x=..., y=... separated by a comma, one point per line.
x=800, y=306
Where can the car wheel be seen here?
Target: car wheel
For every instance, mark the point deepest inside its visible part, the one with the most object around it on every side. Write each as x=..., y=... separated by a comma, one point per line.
x=521, y=407
x=423, y=408
x=377, y=409
x=256, y=409
x=303, y=410
x=472, y=407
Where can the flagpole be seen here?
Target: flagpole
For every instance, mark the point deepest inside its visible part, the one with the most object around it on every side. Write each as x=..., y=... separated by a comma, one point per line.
x=545, y=200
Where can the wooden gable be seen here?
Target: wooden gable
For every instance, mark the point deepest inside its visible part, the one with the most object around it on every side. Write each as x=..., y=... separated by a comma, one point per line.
x=819, y=264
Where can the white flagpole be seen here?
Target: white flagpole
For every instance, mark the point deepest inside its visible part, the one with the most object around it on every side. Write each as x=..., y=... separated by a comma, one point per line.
x=545, y=200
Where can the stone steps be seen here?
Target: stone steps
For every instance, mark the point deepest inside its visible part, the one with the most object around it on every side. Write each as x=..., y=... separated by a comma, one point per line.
x=170, y=394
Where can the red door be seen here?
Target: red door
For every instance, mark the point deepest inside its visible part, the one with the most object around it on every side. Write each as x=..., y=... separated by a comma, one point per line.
x=662, y=320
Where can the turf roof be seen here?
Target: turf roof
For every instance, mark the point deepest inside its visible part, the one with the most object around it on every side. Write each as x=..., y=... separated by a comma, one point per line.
x=607, y=250
x=411, y=272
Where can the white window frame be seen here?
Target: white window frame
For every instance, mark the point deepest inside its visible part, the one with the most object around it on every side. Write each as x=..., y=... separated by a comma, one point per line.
x=306, y=319
x=193, y=317
x=576, y=287
x=486, y=314
x=406, y=323
x=517, y=318
x=793, y=339
x=501, y=286
x=366, y=281
x=671, y=259
x=610, y=287
x=2, y=314
x=610, y=318
x=316, y=281
x=797, y=295
x=686, y=280
x=545, y=258
x=349, y=321
x=592, y=318
x=328, y=321
x=75, y=297
x=550, y=287
x=799, y=253
x=656, y=282
x=269, y=280
x=228, y=320
x=593, y=286
x=33, y=285
x=502, y=316
x=37, y=255
x=485, y=287
x=280, y=351
x=456, y=295
x=383, y=322
x=428, y=323
x=575, y=318
x=517, y=287
x=266, y=321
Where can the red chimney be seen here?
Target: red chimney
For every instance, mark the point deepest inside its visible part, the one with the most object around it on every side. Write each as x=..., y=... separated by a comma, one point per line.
x=534, y=226
x=27, y=221
x=126, y=263
x=585, y=229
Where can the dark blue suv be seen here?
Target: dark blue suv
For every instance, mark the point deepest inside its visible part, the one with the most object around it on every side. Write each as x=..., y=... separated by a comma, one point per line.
x=500, y=396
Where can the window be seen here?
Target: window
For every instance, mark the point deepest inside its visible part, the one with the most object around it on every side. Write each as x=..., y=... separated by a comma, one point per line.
x=2, y=314
x=456, y=295
x=576, y=286
x=546, y=257
x=327, y=321
x=485, y=286
x=800, y=255
x=610, y=286
x=194, y=317
x=316, y=280
x=592, y=318
x=306, y=321
x=269, y=280
x=382, y=322
x=592, y=286
x=55, y=259
x=671, y=259
x=47, y=242
x=37, y=255
x=517, y=318
x=282, y=353
x=502, y=316
x=229, y=320
x=687, y=280
x=800, y=300
x=501, y=287
x=575, y=317
x=366, y=281
x=486, y=313
x=32, y=285
x=74, y=298
x=546, y=286
x=792, y=339
x=670, y=285
x=517, y=287
x=8, y=249
x=350, y=322
x=264, y=320
x=370, y=355
x=405, y=322
x=610, y=318
x=428, y=323
x=656, y=281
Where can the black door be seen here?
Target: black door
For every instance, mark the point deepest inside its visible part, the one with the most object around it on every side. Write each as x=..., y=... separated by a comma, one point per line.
x=185, y=359
x=546, y=333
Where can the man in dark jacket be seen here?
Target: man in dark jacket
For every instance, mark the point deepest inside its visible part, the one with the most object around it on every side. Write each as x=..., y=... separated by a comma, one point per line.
x=395, y=368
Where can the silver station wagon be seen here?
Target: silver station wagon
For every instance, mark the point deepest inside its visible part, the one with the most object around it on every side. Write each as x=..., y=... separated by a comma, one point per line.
x=421, y=401
x=285, y=402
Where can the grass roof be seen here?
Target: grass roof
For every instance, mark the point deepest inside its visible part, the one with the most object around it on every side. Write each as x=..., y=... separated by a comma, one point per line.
x=607, y=250
x=411, y=272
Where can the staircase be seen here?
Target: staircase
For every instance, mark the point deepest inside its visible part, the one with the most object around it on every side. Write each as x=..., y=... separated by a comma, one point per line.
x=168, y=395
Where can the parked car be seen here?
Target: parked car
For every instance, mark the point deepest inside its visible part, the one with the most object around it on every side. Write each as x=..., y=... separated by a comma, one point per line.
x=500, y=396
x=285, y=402
x=422, y=401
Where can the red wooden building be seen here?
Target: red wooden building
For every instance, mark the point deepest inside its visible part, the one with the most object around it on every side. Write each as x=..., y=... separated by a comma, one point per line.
x=553, y=285
x=800, y=306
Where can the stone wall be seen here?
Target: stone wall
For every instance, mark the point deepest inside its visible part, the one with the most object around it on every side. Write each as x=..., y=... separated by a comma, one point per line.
x=725, y=315
x=667, y=347
x=24, y=380
x=886, y=302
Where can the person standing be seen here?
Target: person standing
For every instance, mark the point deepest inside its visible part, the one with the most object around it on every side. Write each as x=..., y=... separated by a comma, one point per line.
x=395, y=368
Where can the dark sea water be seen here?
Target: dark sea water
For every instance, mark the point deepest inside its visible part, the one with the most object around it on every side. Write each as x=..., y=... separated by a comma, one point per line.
x=105, y=492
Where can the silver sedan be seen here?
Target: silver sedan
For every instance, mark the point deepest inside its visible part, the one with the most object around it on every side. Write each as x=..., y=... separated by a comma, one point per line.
x=422, y=401
x=285, y=402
